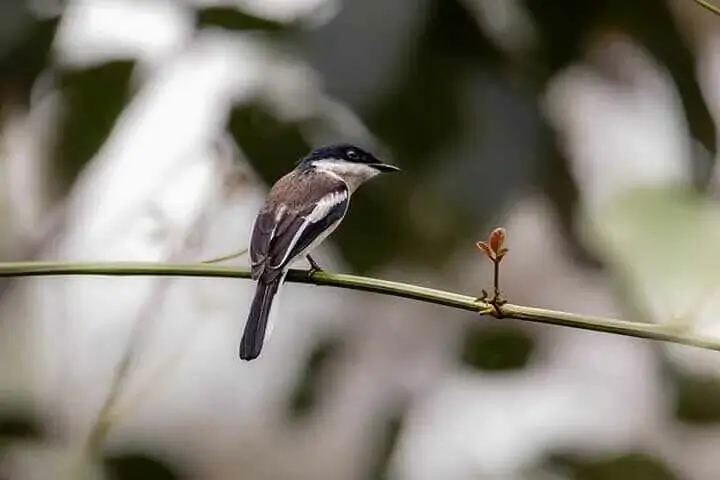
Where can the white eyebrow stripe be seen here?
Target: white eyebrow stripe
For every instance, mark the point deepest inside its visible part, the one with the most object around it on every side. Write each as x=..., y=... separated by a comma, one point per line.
x=338, y=167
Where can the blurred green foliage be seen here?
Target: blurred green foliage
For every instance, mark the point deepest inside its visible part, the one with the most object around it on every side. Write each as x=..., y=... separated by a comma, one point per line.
x=629, y=466
x=93, y=99
x=233, y=19
x=697, y=399
x=141, y=466
x=384, y=447
x=497, y=347
x=308, y=390
x=273, y=146
x=25, y=56
x=19, y=424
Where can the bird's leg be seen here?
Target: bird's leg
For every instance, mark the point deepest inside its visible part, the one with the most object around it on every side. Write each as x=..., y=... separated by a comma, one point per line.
x=314, y=267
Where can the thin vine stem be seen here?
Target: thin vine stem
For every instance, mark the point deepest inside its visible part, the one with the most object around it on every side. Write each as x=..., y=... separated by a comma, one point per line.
x=666, y=333
x=709, y=6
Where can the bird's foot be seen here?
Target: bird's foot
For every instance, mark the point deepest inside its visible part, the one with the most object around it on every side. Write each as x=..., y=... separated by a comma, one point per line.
x=314, y=267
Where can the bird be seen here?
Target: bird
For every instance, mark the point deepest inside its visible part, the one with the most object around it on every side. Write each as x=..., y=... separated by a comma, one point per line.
x=301, y=210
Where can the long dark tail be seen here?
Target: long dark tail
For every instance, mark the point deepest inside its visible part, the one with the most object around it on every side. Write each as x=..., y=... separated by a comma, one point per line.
x=254, y=335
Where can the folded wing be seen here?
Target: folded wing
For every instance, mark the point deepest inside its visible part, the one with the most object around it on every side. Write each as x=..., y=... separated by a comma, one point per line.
x=282, y=232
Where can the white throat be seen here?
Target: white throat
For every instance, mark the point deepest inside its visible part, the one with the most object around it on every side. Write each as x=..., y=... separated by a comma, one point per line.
x=353, y=174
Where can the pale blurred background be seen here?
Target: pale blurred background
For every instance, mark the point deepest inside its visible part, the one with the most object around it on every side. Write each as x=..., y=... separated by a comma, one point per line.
x=151, y=129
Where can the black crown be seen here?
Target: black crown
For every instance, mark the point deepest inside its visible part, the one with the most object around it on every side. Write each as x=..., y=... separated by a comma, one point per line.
x=342, y=151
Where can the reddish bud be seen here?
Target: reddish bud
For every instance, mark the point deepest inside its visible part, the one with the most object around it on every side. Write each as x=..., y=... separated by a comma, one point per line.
x=496, y=240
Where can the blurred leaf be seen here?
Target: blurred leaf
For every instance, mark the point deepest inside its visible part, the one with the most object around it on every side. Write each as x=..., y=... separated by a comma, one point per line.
x=385, y=447
x=20, y=424
x=272, y=146
x=20, y=64
x=234, y=19
x=306, y=393
x=662, y=243
x=697, y=399
x=93, y=99
x=15, y=20
x=562, y=26
x=497, y=348
x=375, y=230
x=667, y=44
x=561, y=189
x=133, y=466
x=629, y=466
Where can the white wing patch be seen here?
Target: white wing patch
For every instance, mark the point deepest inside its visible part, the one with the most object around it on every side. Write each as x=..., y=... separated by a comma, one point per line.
x=278, y=215
x=322, y=208
x=326, y=204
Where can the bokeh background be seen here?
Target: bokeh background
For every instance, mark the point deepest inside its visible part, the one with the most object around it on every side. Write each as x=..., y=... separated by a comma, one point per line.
x=151, y=129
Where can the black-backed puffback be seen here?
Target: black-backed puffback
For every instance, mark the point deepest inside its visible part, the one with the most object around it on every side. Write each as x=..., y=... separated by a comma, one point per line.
x=301, y=210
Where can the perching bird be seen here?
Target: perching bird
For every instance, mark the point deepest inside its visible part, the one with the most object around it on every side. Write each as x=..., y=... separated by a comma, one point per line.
x=301, y=210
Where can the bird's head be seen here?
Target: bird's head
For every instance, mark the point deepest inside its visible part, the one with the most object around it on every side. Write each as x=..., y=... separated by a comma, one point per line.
x=351, y=163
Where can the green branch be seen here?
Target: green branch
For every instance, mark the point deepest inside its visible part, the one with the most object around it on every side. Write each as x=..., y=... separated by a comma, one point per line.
x=667, y=333
x=709, y=6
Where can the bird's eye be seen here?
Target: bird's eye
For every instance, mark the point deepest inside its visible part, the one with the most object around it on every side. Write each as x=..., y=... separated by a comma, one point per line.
x=352, y=155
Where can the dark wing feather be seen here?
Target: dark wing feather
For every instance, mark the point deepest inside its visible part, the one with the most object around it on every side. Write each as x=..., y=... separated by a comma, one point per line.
x=270, y=231
x=262, y=233
x=282, y=241
x=283, y=230
x=314, y=229
x=305, y=226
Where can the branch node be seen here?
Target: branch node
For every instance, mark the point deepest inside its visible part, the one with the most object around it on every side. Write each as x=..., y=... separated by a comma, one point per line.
x=497, y=303
x=486, y=309
x=495, y=250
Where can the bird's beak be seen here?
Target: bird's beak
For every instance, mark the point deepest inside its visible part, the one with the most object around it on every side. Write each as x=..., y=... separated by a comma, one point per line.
x=385, y=167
